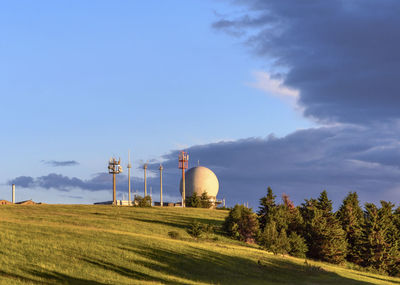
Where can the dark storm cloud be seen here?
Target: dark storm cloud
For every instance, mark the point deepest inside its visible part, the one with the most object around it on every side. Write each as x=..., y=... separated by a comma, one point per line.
x=302, y=164
x=342, y=56
x=60, y=163
x=100, y=181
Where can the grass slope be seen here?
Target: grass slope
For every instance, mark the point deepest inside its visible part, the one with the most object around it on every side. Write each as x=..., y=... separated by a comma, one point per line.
x=82, y=244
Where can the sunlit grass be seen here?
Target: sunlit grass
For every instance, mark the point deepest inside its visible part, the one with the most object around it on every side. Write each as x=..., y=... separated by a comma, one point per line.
x=81, y=244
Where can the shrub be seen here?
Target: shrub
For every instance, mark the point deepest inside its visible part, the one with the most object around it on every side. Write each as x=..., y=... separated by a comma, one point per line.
x=195, y=230
x=140, y=201
x=173, y=234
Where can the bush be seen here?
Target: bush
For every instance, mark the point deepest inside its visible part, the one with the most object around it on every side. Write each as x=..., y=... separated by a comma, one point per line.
x=195, y=230
x=241, y=224
x=140, y=201
x=173, y=234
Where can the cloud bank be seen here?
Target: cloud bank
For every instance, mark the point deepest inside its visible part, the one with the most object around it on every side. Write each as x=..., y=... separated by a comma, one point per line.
x=341, y=55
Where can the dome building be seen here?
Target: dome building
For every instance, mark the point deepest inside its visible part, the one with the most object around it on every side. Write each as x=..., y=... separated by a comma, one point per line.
x=198, y=180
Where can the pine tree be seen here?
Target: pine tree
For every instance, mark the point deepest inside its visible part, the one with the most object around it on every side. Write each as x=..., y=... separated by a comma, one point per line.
x=324, y=235
x=242, y=224
x=193, y=201
x=267, y=204
x=298, y=245
x=205, y=201
x=380, y=239
x=351, y=218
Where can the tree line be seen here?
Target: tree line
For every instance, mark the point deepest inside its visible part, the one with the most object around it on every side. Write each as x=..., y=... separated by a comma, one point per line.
x=368, y=237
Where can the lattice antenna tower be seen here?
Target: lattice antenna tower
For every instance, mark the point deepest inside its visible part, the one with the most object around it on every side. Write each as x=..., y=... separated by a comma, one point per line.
x=114, y=168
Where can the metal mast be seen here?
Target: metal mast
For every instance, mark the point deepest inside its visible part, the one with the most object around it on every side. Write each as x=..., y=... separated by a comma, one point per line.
x=145, y=179
x=161, y=201
x=129, y=178
x=13, y=193
x=183, y=164
x=114, y=168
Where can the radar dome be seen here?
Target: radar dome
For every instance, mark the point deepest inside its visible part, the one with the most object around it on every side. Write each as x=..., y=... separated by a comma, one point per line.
x=198, y=180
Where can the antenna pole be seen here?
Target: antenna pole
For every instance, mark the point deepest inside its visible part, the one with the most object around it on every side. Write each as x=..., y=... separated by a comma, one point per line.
x=145, y=179
x=161, y=201
x=183, y=164
x=129, y=178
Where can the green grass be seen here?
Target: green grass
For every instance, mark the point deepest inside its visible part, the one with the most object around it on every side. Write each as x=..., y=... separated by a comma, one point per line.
x=82, y=244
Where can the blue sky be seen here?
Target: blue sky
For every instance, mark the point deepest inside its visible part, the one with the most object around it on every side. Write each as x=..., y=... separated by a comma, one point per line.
x=84, y=80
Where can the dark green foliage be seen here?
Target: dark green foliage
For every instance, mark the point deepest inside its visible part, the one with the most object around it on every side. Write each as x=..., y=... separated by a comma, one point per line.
x=205, y=201
x=241, y=224
x=351, y=218
x=380, y=238
x=193, y=201
x=324, y=235
x=297, y=245
x=267, y=203
x=140, y=201
x=269, y=238
x=173, y=234
x=195, y=230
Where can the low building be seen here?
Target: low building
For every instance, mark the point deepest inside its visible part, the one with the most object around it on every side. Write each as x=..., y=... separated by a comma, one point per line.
x=5, y=202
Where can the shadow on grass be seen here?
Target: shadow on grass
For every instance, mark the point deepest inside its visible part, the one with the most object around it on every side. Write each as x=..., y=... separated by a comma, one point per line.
x=378, y=278
x=56, y=277
x=50, y=277
x=211, y=267
x=127, y=272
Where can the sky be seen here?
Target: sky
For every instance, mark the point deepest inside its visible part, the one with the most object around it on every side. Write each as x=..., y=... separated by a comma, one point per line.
x=300, y=96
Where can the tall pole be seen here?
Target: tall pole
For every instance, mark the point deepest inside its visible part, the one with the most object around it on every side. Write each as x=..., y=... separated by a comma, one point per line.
x=183, y=188
x=129, y=178
x=145, y=179
x=161, y=201
x=13, y=193
x=114, y=191
x=183, y=164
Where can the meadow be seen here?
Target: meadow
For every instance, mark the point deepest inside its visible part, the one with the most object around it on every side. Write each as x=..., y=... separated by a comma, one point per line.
x=90, y=244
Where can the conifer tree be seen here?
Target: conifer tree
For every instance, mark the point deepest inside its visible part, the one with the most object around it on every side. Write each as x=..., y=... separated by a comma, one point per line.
x=267, y=204
x=193, y=201
x=205, y=201
x=380, y=239
x=324, y=235
x=351, y=218
x=242, y=224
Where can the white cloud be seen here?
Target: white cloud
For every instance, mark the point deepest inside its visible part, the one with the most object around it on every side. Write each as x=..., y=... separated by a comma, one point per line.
x=274, y=87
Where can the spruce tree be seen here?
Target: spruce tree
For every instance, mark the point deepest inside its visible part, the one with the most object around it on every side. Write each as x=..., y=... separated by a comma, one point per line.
x=267, y=204
x=205, y=201
x=351, y=218
x=325, y=237
x=242, y=224
x=193, y=201
x=380, y=239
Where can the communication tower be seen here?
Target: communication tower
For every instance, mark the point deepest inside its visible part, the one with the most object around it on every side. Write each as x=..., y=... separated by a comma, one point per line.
x=161, y=201
x=114, y=167
x=129, y=178
x=145, y=179
x=183, y=164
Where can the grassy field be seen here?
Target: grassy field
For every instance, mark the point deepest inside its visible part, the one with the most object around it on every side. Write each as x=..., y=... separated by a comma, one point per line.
x=70, y=244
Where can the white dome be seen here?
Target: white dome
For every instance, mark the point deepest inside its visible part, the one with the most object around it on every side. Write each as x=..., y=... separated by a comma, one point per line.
x=200, y=179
